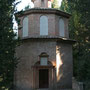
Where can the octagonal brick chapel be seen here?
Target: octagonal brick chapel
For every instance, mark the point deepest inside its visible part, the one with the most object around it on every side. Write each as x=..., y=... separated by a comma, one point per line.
x=45, y=54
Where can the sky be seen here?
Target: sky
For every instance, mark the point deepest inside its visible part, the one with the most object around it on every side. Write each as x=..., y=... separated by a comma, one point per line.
x=24, y=3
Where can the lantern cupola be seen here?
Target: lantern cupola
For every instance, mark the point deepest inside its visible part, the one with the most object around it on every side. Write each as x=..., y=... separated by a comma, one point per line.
x=42, y=3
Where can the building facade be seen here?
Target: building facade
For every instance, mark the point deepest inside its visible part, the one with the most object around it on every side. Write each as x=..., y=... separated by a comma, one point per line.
x=46, y=51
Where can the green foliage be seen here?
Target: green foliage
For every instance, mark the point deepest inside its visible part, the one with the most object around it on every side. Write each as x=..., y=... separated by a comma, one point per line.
x=55, y=4
x=27, y=7
x=79, y=28
x=64, y=6
x=7, y=44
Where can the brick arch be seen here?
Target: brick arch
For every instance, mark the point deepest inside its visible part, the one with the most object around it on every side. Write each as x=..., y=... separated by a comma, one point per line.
x=49, y=76
x=44, y=54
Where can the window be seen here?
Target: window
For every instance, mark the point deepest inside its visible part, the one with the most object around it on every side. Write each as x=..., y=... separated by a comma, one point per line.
x=42, y=3
x=43, y=25
x=43, y=61
x=25, y=27
x=61, y=28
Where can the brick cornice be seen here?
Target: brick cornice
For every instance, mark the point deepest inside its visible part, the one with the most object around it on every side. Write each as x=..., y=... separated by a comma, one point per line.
x=50, y=38
x=43, y=11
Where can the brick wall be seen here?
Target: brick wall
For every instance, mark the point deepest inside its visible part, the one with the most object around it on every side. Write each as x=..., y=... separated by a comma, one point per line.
x=29, y=53
x=53, y=25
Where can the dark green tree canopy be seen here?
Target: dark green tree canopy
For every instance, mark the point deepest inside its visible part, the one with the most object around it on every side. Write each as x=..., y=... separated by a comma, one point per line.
x=79, y=28
x=55, y=4
x=7, y=44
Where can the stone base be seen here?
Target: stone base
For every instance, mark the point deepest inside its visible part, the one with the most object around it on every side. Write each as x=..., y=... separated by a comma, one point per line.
x=53, y=89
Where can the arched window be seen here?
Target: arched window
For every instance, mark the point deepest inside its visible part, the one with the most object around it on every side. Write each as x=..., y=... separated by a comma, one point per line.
x=25, y=27
x=43, y=59
x=43, y=25
x=42, y=3
x=61, y=28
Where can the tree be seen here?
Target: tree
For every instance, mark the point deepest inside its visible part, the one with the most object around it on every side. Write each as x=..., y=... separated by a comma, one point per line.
x=79, y=28
x=55, y=4
x=7, y=44
x=64, y=6
x=27, y=7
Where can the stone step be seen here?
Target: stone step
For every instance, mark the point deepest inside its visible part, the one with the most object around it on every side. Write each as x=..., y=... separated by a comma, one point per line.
x=43, y=89
x=53, y=89
x=64, y=89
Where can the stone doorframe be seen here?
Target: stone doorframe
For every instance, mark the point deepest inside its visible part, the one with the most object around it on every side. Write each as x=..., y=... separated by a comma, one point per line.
x=35, y=75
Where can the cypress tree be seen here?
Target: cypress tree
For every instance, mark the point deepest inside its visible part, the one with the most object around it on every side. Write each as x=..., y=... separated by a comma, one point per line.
x=64, y=6
x=7, y=44
x=79, y=28
x=55, y=4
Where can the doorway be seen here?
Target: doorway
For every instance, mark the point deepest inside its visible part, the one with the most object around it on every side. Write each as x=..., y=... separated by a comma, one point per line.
x=43, y=78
